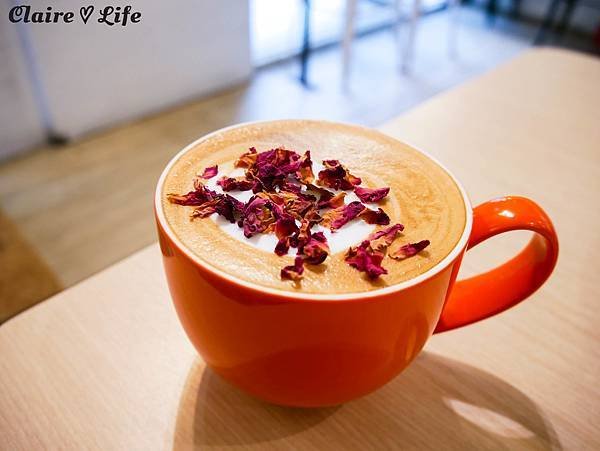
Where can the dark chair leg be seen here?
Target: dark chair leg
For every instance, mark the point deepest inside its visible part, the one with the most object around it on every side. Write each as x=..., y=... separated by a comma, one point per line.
x=516, y=9
x=491, y=10
x=305, y=44
x=548, y=21
x=566, y=18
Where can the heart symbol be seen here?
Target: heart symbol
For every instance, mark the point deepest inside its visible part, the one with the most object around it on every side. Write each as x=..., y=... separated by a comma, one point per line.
x=85, y=12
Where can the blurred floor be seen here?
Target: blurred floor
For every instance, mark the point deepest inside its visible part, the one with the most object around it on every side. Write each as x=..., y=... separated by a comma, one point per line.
x=24, y=278
x=86, y=205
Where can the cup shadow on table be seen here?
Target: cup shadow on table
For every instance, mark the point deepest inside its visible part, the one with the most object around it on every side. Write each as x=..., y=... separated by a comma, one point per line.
x=437, y=403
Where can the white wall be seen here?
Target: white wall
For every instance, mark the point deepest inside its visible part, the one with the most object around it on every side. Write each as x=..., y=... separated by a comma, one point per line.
x=20, y=125
x=95, y=75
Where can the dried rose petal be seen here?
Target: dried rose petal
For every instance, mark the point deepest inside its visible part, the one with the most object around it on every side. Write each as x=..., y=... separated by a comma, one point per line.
x=293, y=272
x=334, y=202
x=228, y=207
x=327, y=199
x=408, y=250
x=296, y=204
x=267, y=170
x=378, y=216
x=313, y=216
x=283, y=246
x=365, y=259
x=194, y=198
x=299, y=207
x=205, y=210
x=257, y=216
x=285, y=224
x=382, y=239
x=208, y=202
x=272, y=167
x=316, y=249
x=371, y=194
x=235, y=184
x=258, y=185
x=303, y=235
x=319, y=190
x=338, y=217
x=237, y=206
x=291, y=187
x=333, y=175
x=210, y=172
x=305, y=173
x=277, y=163
x=337, y=176
x=247, y=159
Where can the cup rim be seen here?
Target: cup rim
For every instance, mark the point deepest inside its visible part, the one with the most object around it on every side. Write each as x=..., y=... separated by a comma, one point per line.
x=300, y=296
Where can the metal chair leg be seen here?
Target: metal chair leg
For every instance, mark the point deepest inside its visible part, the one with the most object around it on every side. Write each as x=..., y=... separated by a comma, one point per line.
x=566, y=18
x=491, y=10
x=398, y=32
x=453, y=15
x=548, y=21
x=409, y=49
x=515, y=12
x=347, y=40
x=305, y=44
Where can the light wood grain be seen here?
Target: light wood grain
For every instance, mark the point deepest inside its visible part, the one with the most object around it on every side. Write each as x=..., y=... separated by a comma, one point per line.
x=105, y=364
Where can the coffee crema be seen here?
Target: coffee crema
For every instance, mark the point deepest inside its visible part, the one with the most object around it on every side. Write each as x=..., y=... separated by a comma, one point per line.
x=423, y=197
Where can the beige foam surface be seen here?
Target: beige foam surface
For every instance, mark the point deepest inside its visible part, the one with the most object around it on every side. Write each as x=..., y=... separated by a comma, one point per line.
x=423, y=197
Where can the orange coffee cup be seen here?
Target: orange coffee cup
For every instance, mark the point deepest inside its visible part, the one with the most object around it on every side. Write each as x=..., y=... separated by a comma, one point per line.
x=302, y=349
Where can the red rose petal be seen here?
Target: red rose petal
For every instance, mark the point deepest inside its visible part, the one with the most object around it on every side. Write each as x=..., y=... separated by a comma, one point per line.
x=378, y=216
x=335, y=201
x=285, y=224
x=228, y=207
x=235, y=184
x=371, y=194
x=338, y=217
x=247, y=159
x=205, y=210
x=236, y=205
x=382, y=239
x=366, y=260
x=316, y=249
x=283, y=246
x=291, y=187
x=210, y=172
x=303, y=235
x=257, y=216
x=305, y=173
x=194, y=198
x=408, y=250
x=293, y=272
x=337, y=176
x=273, y=166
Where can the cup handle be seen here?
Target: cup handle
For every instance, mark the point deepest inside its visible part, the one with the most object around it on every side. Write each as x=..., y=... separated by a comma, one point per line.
x=492, y=292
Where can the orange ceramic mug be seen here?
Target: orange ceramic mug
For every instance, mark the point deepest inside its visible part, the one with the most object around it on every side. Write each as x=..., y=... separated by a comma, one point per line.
x=303, y=349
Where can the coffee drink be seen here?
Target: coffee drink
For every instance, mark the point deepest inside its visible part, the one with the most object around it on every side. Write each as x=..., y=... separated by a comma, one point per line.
x=423, y=197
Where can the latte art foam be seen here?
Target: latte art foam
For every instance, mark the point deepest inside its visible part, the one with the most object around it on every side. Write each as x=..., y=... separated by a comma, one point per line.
x=422, y=196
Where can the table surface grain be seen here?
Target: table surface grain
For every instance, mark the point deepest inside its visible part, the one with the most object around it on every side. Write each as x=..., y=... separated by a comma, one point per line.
x=105, y=365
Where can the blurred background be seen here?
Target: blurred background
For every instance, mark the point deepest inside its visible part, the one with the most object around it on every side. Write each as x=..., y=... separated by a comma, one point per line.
x=90, y=114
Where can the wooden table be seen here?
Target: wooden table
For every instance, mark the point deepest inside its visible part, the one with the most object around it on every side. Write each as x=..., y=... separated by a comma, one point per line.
x=105, y=365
